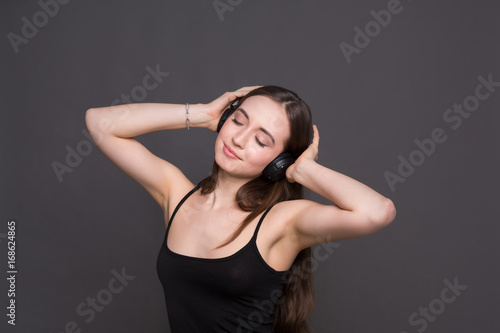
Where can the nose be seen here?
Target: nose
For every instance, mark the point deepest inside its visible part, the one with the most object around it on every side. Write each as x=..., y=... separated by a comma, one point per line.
x=240, y=138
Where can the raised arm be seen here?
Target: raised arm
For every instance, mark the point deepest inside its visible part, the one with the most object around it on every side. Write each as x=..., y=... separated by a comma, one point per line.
x=358, y=210
x=113, y=130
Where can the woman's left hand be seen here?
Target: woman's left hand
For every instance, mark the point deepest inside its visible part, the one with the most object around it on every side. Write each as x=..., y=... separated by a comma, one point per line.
x=310, y=154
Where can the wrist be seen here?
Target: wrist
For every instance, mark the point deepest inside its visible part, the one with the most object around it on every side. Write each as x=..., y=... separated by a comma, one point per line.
x=302, y=169
x=196, y=116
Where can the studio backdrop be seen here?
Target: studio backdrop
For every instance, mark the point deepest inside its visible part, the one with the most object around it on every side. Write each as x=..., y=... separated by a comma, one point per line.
x=406, y=98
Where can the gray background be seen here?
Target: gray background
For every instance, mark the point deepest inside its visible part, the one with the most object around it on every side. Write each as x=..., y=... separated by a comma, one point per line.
x=72, y=232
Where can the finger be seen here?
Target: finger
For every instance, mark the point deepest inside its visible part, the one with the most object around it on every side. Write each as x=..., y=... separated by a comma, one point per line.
x=316, y=135
x=249, y=88
x=316, y=142
x=232, y=95
x=245, y=90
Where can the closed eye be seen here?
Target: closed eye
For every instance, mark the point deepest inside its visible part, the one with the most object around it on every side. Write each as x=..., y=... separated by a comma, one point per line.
x=237, y=122
x=259, y=142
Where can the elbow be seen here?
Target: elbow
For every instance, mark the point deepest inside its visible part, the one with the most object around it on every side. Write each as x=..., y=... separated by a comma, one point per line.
x=390, y=211
x=89, y=118
x=97, y=126
x=99, y=122
x=91, y=122
x=384, y=215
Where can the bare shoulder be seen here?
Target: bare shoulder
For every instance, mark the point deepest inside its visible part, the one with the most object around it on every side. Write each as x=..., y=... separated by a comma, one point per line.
x=308, y=223
x=283, y=214
x=280, y=243
x=177, y=188
x=288, y=210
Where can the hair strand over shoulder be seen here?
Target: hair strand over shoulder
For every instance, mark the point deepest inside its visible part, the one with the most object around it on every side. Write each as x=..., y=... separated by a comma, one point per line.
x=296, y=303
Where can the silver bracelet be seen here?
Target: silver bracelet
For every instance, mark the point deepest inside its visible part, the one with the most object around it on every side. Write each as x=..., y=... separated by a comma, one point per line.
x=187, y=116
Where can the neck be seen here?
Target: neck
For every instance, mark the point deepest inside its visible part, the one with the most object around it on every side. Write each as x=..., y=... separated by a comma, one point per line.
x=224, y=194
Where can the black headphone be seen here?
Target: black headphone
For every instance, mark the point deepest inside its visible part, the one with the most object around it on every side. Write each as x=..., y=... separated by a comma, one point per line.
x=274, y=171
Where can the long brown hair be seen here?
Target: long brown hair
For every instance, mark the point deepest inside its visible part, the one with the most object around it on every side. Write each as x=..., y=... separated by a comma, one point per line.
x=296, y=303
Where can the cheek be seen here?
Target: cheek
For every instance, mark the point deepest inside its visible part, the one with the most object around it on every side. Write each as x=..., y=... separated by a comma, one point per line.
x=259, y=158
x=218, y=142
x=224, y=134
x=223, y=130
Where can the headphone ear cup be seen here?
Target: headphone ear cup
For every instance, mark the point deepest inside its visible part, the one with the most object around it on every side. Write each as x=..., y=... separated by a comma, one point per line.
x=276, y=170
x=224, y=117
x=227, y=113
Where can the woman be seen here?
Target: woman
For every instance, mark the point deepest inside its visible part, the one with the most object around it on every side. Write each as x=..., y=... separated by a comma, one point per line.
x=235, y=253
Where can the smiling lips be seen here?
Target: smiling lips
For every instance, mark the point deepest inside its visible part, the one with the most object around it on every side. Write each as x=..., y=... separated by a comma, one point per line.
x=230, y=153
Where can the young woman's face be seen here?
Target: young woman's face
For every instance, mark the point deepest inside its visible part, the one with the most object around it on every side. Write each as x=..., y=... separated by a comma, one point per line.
x=252, y=137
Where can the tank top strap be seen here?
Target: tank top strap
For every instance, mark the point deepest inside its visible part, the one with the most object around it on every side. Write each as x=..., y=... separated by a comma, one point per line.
x=180, y=204
x=260, y=221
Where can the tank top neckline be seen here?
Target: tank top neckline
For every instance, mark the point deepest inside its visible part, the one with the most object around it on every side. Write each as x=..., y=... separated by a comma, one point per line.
x=251, y=242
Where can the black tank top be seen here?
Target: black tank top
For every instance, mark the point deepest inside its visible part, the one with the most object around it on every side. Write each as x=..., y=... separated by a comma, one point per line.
x=237, y=293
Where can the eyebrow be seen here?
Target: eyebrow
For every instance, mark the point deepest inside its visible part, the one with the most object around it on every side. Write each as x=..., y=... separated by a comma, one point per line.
x=260, y=128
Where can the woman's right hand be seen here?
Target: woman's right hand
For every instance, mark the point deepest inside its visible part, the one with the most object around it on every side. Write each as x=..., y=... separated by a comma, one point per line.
x=214, y=109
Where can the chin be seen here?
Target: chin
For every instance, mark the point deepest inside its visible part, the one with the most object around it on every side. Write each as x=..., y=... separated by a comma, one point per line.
x=224, y=166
